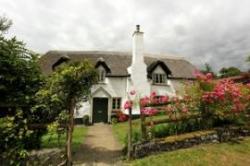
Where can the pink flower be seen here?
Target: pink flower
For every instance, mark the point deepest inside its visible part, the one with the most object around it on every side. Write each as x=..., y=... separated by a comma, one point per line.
x=128, y=104
x=133, y=92
x=184, y=110
x=153, y=94
x=144, y=101
x=122, y=117
x=149, y=111
x=164, y=99
x=209, y=76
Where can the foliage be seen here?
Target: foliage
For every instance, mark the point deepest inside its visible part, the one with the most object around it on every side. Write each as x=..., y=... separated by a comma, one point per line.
x=225, y=98
x=248, y=59
x=5, y=24
x=52, y=140
x=86, y=120
x=208, y=69
x=20, y=79
x=121, y=130
x=136, y=137
x=174, y=128
x=64, y=90
x=114, y=120
x=230, y=71
x=69, y=81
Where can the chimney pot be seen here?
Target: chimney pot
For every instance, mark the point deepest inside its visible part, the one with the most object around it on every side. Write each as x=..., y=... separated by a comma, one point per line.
x=138, y=28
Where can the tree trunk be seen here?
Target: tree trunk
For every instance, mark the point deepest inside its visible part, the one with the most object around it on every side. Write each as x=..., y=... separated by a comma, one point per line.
x=129, y=134
x=70, y=128
x=143, y=126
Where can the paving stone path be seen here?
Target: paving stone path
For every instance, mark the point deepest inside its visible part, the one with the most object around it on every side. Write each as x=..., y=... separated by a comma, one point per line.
x=100, y=148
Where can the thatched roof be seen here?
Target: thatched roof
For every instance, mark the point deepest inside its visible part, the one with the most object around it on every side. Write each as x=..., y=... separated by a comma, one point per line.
x=118, y=62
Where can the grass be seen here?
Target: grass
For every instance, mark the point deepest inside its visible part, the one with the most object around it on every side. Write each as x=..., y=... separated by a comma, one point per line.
x=50, y=140
x=225, y=154
x=121, y=129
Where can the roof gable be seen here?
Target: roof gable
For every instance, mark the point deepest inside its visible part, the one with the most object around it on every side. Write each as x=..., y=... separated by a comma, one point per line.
x=154, y=65
x=102, y=63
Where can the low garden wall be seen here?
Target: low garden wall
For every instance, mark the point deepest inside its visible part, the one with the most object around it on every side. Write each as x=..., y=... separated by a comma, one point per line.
x=46, y=157
x=188, y=140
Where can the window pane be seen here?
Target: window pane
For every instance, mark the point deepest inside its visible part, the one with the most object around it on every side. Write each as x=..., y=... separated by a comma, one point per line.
x=101, y=75
x=118, y=103
x=113, y=103
x=159, y=78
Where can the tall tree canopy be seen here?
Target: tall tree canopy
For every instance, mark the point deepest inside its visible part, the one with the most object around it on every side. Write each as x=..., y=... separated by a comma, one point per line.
x=20, y=79
x=230, y=71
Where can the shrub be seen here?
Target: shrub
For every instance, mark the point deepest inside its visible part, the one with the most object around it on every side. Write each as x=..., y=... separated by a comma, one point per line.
x=85, y=120
x=136, y=137
x=163, y=130
x=114, y=120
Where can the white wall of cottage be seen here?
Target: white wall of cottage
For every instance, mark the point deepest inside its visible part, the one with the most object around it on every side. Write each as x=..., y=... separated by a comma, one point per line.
x=112, y=87
x=121, y=86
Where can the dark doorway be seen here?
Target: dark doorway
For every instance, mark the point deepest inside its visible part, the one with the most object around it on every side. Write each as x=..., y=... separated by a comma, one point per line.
x=100, y=110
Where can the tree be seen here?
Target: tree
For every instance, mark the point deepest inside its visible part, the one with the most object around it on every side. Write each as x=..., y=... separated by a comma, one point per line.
x=248, y=59
x=5, y=24
x=230, y=71
x=20, y=79
x=65, y=88
x=208, y=69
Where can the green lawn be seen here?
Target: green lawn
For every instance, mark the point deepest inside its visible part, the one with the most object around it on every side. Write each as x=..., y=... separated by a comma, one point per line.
x=121, y=129
x=50, y=140
x=225, y=154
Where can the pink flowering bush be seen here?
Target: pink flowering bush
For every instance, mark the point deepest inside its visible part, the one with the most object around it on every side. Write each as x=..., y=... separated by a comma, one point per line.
x=122, y=117
x=153, y=99
x=227, y=96
x=128, y=104
x=223, y=100
x=149, y=111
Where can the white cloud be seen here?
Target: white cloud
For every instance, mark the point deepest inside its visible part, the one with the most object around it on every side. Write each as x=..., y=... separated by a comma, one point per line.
x=216, y=32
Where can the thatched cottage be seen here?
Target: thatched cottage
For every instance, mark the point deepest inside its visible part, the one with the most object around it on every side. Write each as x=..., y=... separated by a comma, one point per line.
x=121, y=72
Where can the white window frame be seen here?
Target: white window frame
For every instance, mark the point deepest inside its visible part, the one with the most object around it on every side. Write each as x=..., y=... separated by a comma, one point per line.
x=101, y=75
x=116, y=104
x=159, y=78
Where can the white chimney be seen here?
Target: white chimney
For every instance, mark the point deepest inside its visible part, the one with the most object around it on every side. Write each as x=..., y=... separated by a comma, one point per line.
x=138, y=68
x=138, y=46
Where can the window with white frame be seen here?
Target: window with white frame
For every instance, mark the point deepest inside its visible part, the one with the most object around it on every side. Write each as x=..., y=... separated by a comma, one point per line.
x=159, y=78
x=102, y=74
x=116, y=103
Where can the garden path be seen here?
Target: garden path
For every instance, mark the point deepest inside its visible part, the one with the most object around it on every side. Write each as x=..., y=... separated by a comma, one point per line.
x=100, y=148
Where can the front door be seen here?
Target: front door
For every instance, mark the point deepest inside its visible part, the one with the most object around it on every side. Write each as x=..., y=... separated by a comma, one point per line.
x=100, y=110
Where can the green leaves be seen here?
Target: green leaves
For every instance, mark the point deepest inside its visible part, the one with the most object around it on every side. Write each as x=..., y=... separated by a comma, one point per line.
x=20, y=79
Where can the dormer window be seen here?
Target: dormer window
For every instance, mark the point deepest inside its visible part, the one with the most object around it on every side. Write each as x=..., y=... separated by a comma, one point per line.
x=60, y=61
x=158, y=72
x=102, y=75
x=159, y=78
x=103, y=69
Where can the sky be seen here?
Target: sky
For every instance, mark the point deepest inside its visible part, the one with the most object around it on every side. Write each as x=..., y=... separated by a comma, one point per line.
x=216, y=32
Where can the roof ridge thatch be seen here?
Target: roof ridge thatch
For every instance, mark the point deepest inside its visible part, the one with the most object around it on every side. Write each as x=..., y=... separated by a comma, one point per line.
x=120, y=53
x=118, y=62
